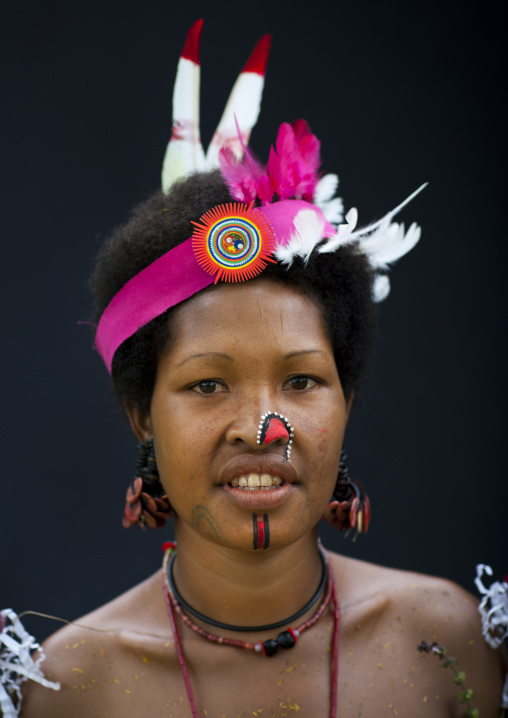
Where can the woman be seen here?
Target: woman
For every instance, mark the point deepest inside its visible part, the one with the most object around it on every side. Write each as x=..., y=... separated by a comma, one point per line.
x=239, y=394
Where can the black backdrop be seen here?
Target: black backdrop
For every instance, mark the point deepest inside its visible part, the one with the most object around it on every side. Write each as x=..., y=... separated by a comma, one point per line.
x=399, y=93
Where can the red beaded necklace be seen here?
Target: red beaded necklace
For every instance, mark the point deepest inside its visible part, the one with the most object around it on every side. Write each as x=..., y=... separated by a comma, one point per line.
x=292, y=635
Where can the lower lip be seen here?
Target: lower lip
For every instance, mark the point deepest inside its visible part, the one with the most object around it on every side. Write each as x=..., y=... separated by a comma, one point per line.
x=259, y=499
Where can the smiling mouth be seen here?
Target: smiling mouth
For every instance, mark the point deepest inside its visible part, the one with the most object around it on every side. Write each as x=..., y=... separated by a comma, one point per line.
x=256, y=482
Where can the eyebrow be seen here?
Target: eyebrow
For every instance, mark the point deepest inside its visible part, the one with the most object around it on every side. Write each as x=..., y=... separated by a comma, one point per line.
x=303, y=351
x=204, y=354
x=226, y=356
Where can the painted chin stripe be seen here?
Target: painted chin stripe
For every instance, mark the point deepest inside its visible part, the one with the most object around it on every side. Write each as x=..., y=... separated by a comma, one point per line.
x=261, y=531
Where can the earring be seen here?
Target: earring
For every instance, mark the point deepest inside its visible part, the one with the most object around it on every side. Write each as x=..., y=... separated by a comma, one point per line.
x=146, y=502
x=350, y=505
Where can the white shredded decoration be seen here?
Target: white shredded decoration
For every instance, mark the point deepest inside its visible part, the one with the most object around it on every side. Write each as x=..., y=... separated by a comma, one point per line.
x=495, y=616
x=17, y=664
x=493, y=609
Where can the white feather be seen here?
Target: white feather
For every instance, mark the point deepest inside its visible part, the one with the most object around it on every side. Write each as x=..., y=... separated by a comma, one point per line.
x=380, y=288
x=243, y=105
x=184, y=153
x=388, y=243
x=325, y=189
x=344, y=233
x=308, y=231
x=333, y=210
x=332, y=207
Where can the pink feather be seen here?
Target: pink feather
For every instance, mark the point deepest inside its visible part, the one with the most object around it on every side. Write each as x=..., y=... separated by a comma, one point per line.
x=237, y=176
x=292, y=170
x=293, y=165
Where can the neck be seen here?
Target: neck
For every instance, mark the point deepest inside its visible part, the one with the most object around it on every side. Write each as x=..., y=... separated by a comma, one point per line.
x=246, y=587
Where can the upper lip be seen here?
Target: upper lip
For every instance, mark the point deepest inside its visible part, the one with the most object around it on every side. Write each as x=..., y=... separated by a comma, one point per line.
x=261, y=464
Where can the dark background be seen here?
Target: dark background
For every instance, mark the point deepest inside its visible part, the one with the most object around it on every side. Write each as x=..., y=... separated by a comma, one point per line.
x=399, y=93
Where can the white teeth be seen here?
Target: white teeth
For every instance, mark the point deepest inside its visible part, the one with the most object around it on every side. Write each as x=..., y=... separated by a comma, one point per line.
x=254, y=482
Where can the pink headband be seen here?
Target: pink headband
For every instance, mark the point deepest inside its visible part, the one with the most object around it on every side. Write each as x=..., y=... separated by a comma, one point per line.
x=178, y=274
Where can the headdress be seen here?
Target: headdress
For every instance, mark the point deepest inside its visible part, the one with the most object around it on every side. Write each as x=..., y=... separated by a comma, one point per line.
x=297, y=213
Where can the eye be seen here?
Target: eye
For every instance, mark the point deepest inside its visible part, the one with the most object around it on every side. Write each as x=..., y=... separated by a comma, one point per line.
x=300, y=383
x=210, y=386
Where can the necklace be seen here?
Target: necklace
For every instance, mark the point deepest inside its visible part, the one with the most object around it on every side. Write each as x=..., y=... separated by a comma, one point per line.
x=228, y=627
x=175, y=608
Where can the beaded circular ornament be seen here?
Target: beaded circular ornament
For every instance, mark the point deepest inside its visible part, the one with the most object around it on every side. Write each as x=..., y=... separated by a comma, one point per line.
x=233, y=241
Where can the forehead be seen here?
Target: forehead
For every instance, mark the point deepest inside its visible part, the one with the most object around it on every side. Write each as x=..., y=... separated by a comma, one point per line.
x=257, y=314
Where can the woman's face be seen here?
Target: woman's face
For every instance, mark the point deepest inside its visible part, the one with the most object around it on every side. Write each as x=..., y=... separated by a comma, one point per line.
x=236, y=353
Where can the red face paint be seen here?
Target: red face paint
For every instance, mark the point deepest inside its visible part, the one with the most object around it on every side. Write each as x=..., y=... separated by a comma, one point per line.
x=261, y=531
x=275, y=427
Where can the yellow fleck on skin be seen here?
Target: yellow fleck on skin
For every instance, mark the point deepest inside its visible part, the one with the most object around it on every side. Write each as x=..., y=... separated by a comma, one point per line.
x=83, y=641
x=379, y=665
x=116, y=681
x=75, y=645
x=405, y=680
x=386, y=645
x=439, y=607
x=103, y=652
x=411, y=685
x=205, y=712
x=78, y=670
x=414, y=585
x=436, y=697
x=145, y=660
x=66, y=646
x=395, y=712
x=167, y=645
x=425, y=699
x=279, y=683
x=291, y=669
x=470, y=642
x=55, y=659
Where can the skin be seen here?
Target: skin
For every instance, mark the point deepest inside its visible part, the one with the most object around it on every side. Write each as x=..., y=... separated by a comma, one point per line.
x=236, y=353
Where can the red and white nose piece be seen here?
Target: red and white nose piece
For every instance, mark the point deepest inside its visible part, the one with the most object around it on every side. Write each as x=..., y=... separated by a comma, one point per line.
x=272, y=427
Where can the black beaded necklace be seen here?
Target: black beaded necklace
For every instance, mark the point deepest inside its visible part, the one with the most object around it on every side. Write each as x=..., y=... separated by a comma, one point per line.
x=229, y=627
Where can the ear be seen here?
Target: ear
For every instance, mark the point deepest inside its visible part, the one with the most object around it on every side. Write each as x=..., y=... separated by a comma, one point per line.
x=140, y=422
x=349, y=404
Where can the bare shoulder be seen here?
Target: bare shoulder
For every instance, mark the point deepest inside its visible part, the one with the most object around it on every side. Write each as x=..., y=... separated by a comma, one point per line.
x=108, y=661
x=388, y=612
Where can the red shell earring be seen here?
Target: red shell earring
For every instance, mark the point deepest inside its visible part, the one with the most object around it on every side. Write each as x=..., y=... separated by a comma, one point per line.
x=146, y=502
x=350, y=505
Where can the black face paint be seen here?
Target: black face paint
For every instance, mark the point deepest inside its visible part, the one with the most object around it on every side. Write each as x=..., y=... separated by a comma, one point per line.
x=261, y=531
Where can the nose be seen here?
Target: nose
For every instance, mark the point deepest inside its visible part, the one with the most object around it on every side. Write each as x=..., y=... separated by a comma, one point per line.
x=274, y=427
x=271, y=428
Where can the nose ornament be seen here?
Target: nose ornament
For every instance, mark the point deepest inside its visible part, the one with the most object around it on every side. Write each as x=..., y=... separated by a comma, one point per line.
x=273, y=426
